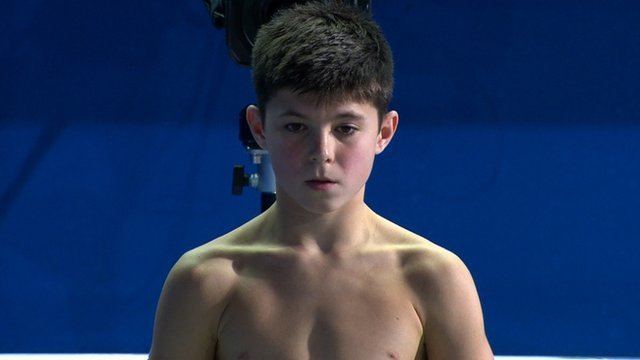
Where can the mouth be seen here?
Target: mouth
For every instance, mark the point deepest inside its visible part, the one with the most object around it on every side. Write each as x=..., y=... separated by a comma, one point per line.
x=320, y=185
x=321, y=181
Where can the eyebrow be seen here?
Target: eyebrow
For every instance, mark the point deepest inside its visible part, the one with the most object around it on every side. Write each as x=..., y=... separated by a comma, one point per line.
x=348, y=115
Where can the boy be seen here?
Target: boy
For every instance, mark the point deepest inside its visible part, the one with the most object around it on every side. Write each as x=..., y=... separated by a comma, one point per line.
x=319, y=275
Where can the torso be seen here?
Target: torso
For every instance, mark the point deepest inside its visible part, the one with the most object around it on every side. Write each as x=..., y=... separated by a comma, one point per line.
x=286, y=306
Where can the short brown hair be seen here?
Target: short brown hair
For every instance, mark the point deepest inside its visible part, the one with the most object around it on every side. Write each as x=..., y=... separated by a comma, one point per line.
x=331, y=50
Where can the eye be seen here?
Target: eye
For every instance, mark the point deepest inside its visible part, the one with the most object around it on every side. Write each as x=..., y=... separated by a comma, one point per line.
x=345, y=129
x=351, y=128
x=288, y=126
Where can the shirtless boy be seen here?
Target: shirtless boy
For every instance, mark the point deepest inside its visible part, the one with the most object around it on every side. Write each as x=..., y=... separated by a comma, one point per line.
x=320, y=275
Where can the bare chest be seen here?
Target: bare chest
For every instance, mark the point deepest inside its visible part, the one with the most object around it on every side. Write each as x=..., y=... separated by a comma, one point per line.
x=292, y=311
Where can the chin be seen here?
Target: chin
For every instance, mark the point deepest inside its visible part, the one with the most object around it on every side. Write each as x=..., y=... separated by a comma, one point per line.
x=321, y=207
x=316, y=204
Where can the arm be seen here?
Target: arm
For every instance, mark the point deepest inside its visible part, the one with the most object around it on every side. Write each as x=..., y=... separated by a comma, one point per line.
x=192, y=300
x=453, y=322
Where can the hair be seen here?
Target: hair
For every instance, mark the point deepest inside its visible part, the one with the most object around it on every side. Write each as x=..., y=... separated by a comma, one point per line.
x=333, y=51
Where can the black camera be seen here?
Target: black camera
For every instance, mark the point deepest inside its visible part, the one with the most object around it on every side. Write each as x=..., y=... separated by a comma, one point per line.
x=243, y=18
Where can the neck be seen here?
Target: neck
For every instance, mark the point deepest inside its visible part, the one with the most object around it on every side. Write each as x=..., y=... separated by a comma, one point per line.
x=331, y=233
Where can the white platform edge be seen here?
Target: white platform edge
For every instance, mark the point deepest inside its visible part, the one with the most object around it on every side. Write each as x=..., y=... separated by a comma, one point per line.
x=144, y=357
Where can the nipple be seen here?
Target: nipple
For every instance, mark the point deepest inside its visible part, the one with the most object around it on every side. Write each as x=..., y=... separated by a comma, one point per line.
x=392, y=355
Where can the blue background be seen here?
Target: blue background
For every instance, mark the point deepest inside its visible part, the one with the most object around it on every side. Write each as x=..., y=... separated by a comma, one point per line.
x=518, y=149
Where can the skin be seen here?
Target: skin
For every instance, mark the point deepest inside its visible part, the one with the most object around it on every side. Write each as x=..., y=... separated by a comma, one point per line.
x=319, y=275
x=320, y=143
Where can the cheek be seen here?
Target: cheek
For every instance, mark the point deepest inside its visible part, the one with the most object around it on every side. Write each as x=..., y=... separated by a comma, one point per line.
x=286, y=160
x=358, y=163
x=354, y=161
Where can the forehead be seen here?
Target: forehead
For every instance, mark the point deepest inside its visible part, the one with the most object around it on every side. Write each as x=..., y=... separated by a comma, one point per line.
x=288, y=103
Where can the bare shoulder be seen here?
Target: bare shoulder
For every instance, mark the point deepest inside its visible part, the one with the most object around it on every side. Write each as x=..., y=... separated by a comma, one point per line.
x=446, y=300
x=414, y=251
x=208, y=265
x=435, y=275
x=193, y=297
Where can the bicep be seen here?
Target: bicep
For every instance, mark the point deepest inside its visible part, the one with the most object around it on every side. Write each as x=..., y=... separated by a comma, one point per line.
x=186, y=317
x=454, y=326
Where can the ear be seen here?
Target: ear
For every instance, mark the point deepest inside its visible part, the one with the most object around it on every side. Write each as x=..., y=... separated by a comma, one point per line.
x=254, y=120
x=387, y=130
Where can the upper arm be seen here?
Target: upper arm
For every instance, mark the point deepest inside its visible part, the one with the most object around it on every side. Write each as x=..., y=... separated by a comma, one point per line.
x=192, y=300
x=453, y=322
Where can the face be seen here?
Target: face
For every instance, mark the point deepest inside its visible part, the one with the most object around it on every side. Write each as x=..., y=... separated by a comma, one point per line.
x=306, y=141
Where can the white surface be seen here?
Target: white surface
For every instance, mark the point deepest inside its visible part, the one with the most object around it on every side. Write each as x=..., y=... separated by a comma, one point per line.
x=144, y=357
x=74, y=356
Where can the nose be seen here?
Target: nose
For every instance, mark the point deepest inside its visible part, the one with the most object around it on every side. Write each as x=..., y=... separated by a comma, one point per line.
x=321, y=148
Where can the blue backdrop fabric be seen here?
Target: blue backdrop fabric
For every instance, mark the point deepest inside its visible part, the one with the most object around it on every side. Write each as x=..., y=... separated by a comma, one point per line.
x=518, y=149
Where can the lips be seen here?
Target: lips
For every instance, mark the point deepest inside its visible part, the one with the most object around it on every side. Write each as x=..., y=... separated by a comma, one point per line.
x=321, y=185
x=321, y=181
